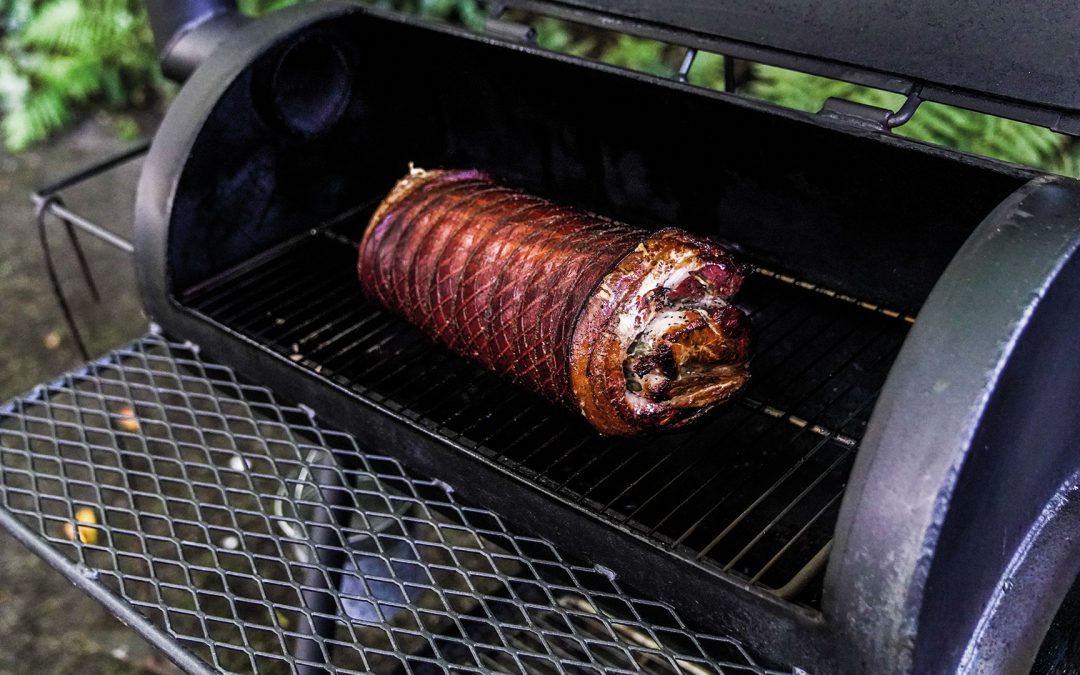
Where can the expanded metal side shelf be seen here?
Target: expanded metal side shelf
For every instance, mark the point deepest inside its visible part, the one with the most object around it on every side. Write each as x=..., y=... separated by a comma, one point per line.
x=237, y=533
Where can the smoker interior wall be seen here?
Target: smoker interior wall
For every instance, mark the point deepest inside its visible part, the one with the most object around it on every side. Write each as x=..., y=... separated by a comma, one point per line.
x=878, y=220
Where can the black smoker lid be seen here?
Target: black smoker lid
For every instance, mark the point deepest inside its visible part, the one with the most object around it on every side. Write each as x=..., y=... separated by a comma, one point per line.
x=1015, y=59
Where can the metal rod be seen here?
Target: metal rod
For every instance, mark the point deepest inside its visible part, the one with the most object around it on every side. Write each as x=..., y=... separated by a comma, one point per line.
x=807, y=573
x=763, y=570
x=54, y=282
x=830, y=293
x=320, y=581
x=729, y=74
x=60, y=211
x=809, y=425
x=80, y=256
x=906, y=111
x=47, y=201
x=687, y=63
x=93, y=170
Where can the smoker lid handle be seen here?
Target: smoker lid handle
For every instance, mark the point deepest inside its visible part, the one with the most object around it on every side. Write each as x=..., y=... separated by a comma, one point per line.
x=186, y=31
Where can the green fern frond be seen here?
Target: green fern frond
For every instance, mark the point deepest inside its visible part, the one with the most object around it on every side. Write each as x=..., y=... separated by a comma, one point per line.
x=69, y=53
x=81, y=78
x=62, y=26
x=41, y=113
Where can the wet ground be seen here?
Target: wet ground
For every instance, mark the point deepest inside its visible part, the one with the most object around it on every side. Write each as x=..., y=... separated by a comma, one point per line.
x=46, y=626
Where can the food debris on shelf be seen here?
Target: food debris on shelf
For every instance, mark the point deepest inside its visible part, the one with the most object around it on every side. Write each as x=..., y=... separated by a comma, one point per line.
x=127, y=421
x=87, y=535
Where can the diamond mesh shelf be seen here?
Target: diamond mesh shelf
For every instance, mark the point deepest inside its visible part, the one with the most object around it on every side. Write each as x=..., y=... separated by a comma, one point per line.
x=237, y=533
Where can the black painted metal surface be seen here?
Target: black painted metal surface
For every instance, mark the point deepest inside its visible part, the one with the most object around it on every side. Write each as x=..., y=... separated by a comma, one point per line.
x=225, y=185
x=1013, y=59
x=954, y=540
x=231, y=187
x=186, y=32
x=1060, y=651
x=209, y=532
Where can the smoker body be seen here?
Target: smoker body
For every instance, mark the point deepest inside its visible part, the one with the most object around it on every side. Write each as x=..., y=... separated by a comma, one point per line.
x=893, y=492
x=952, y=545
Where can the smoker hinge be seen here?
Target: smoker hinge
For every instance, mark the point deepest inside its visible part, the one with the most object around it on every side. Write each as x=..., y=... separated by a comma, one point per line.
x=509, y=30
x=871, y=117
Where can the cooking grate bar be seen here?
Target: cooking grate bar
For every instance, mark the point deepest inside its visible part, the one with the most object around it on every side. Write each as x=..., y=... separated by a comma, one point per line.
x=367, y=326
x=340, y=238
x=799, y=422
x=809, y=286
x=283, y=304
x=243, y=283
x=832, y=436
x=320, y=325
x=833, y=503
x=779, y=418
x=773, y=342
x=704, y=552
x=772, y=488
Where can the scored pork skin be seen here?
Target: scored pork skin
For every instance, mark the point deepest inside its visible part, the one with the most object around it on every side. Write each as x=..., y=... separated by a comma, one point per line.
x=633, y=328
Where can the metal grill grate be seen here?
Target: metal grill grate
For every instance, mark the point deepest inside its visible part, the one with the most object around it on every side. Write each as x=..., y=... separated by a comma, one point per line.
x=160, y=482
x=754, y=492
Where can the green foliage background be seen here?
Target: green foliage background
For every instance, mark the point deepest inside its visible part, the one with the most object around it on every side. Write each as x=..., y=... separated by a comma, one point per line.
x=60, y=59
x=58, y=56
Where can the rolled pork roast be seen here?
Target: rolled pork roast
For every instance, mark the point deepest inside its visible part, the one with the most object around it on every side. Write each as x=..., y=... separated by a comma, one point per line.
x=634, y=329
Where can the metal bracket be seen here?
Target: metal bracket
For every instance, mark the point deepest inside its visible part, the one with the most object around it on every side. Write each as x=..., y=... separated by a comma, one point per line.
x=869, y=116
x=683, y=74
x=906, y=111
x=686, y=65
x=510, y=30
